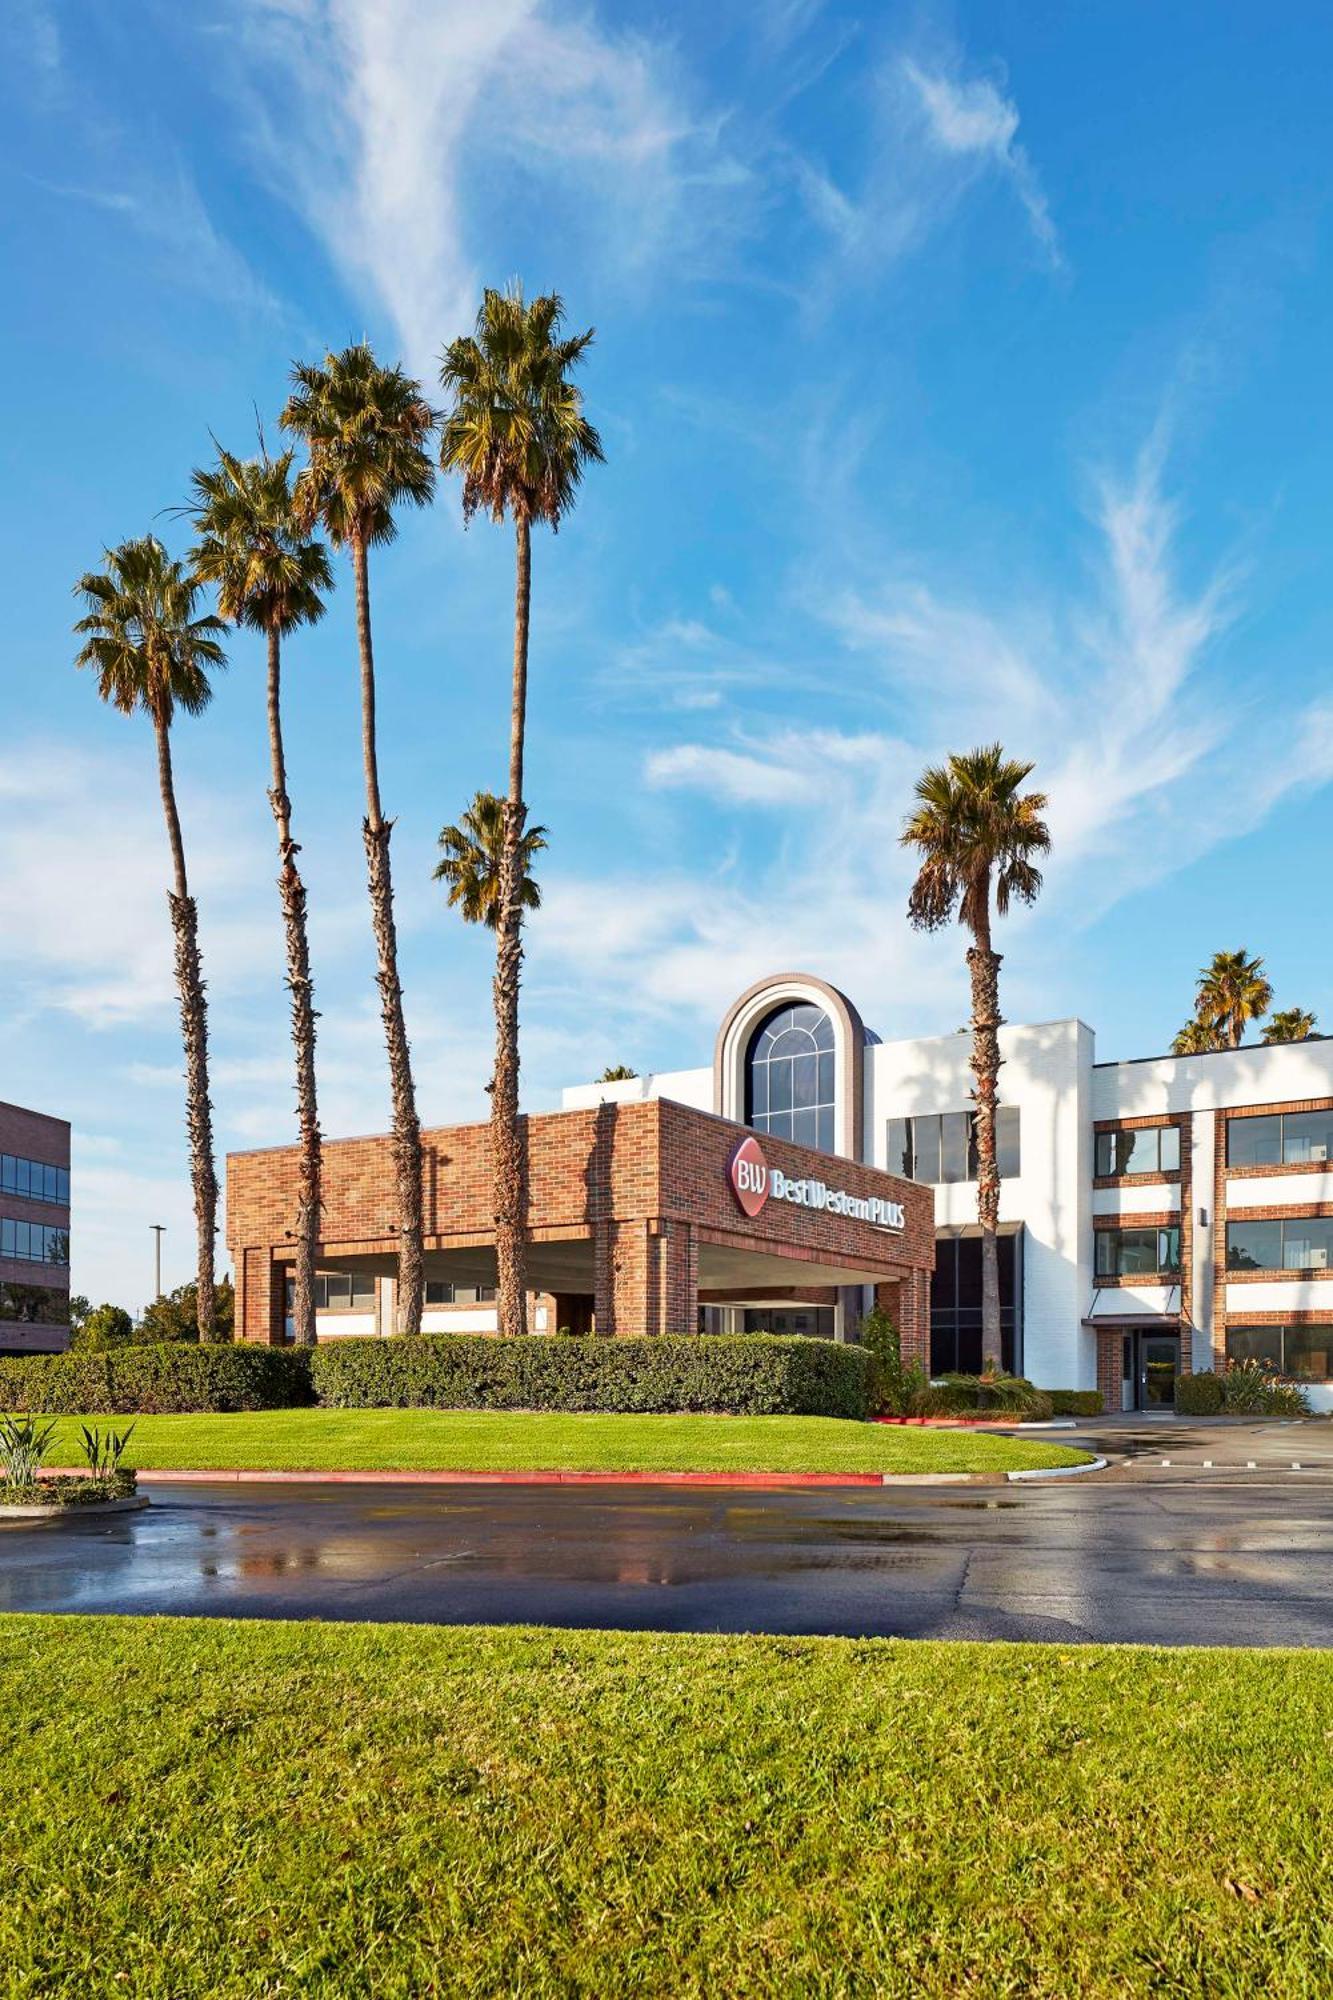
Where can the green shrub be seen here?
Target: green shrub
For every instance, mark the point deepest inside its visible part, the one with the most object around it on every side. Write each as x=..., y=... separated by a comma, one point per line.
x=1198, y=1395
x=1075, y=1402
x=1250, y=1389
x=169, y=1379
x=893, y=1382
x=105, y=1326
x=745, y=1375
x=1004, y=1396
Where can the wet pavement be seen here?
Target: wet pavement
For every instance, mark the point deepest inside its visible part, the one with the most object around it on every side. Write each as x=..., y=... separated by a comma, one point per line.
x=1213, y=1561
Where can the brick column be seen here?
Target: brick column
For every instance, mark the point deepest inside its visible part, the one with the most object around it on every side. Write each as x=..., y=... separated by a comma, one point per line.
x=907, y=1302
x=647, y=1278
x=260, y=1298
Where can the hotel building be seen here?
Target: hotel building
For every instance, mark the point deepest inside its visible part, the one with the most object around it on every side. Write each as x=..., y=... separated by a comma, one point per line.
x=34, y=1232
x=1157, y=1216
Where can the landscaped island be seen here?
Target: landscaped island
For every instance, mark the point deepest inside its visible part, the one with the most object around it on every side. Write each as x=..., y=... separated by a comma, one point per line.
x=545, y=1441
x=198, y=1807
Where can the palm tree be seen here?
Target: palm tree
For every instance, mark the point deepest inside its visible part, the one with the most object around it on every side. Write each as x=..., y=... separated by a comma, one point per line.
x=151, y=653
x=516, y=432
x=1197, y=1038
x=976, y=829
x=366, y=428
x=269, y=576
x=473, y=855
x=1289, y=1024
x=1233, y=990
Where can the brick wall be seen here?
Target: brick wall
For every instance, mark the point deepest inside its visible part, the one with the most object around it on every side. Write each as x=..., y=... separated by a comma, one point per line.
x=645, y=1184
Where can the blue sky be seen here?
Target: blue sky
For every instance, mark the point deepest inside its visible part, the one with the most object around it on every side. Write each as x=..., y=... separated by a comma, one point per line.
x=962, y=372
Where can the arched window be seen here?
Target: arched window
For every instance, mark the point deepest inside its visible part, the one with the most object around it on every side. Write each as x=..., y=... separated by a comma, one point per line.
x=789, y=1076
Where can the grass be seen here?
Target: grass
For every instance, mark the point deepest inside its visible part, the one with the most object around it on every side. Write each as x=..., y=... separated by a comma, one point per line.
x=530, y=1441
x=237, y=1809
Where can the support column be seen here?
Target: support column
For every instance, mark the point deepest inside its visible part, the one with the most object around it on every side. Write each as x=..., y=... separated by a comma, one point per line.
x=907, y=1302
x=261, y=1298
x=647, y=1274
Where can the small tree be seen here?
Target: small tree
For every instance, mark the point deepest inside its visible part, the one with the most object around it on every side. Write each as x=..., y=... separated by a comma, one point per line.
x=109, y=1326
x=618, y=1073
x=170, y=1319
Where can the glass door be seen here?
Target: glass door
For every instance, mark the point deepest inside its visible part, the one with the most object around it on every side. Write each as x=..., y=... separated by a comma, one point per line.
x=1158, y=1361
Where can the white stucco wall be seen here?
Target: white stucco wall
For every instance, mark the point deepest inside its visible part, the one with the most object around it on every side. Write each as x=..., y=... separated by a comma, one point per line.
x=1047, y=1069
x=1213, y=1083
x=683, y=1086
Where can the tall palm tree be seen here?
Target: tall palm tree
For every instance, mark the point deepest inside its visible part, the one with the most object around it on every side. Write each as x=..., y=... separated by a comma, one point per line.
x=1289, y=1024
x=151, y=653
x=1197, y=1038
x=472, y=859
x=269, y=575
x=366, y=428
x=1233, y=990
x=975, y=830
x=516, y=432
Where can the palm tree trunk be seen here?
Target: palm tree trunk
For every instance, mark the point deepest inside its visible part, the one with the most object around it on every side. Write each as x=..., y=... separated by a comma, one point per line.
x=983, y=964
x=194, y=1033
x=406, y=1125
x=506, y=1139
x=299, y=985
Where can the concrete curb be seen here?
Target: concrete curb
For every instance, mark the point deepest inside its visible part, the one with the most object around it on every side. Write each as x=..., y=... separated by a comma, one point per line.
x=131, y=1505
x=1060, y=1471
x=438, y=1478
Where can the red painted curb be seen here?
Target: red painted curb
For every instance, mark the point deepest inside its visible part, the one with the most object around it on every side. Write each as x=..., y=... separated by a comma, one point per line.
x=384, y=1478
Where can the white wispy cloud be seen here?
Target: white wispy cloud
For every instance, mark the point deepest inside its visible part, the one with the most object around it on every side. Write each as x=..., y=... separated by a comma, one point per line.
x=380, y=120
x=935, y=134
x=970, y=119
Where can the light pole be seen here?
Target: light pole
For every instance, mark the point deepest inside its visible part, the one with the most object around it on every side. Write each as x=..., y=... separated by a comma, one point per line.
x=157, y=1229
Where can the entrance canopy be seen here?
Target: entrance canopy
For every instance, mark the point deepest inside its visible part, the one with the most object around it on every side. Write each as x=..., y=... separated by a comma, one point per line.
x=638, y=1209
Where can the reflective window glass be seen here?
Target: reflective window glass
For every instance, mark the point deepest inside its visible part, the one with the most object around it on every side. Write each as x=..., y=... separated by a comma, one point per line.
x=790, y=1082
x=1307, y=1137
x=1254, y=1246
x=1254, y=1142
x=1007, y=1146
x=1255, y=1343
x=1307, y=1352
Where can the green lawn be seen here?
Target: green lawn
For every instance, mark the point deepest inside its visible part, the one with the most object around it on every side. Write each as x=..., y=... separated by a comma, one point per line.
x=231, y=1808
x=535, y=1441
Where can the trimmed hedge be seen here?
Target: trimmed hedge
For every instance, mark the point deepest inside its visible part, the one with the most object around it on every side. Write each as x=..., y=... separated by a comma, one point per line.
x=173, y=1379
x=1075, y=1402
x=1007, y=1398
x=1198, y=1395
x=749, y=1375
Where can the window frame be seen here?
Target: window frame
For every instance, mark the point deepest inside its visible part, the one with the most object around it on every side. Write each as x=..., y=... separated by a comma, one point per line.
x=1137, y=1134
x=916, y=1148
x=1284, y=1162
x=1280, y=1223
x=1162, y=1272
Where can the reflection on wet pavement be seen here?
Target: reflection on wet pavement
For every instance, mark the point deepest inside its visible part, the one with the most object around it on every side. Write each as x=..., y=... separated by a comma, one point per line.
x=1198, y=1564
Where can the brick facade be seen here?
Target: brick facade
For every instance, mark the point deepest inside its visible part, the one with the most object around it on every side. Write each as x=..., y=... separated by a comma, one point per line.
x=630, y=1206
x=1224, y=1178
x=26, y=1325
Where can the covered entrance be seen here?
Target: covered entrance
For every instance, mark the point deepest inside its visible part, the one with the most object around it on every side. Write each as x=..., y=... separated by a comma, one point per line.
x=1152, y=1362
x=639, y=1215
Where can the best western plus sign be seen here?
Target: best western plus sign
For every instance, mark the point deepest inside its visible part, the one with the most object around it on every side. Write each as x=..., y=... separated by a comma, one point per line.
x=754, y=1181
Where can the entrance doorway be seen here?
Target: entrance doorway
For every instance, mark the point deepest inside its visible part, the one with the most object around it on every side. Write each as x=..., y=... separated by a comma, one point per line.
x=1151, y=1364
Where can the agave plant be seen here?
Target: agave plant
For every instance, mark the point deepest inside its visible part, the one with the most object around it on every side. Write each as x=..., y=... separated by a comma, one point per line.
x=23, y=1443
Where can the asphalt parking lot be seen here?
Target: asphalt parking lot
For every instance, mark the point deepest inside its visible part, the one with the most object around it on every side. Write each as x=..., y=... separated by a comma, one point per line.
x=1215, y=1558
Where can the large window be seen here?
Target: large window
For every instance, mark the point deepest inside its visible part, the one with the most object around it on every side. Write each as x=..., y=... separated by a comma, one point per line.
x=789, y=1077
x=1280, y=1139
x=439, y=1293
x=338, y=1291
x=943, y=1147
x=955, y=1304
x=1154, y=1149
x=1291, y=1243
x=1305, y=1352
x=1138, y=1253
x=33, y=1179
x=816, y=1322
x=33, y=1242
